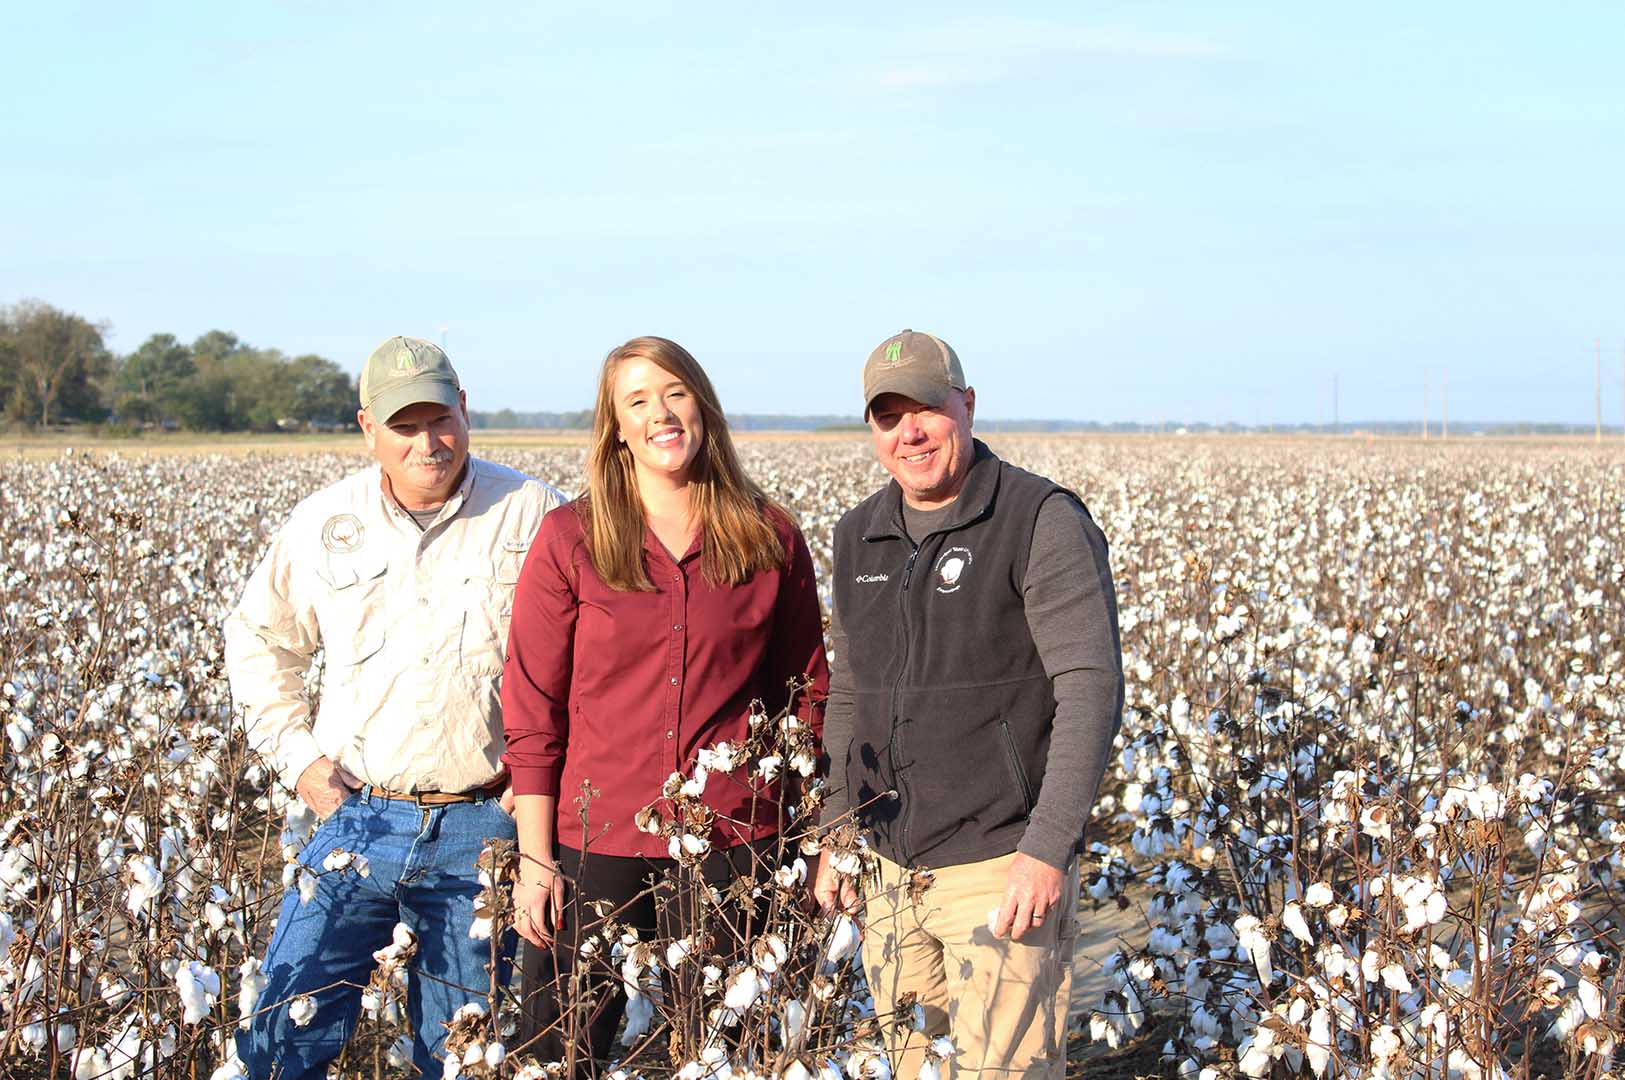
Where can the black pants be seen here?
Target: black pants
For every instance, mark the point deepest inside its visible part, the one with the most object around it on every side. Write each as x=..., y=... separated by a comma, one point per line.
x=644, y=895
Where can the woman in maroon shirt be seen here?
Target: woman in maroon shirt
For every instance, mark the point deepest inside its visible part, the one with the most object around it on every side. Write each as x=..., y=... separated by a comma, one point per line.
x=648, y=616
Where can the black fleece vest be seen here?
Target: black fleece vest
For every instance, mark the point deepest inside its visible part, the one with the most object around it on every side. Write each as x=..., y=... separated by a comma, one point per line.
x=953, y=708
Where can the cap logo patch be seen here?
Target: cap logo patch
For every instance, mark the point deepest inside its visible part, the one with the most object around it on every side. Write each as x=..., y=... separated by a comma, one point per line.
x=342, y=534
x=951, y=567
x=894, y=354
x=406, y=362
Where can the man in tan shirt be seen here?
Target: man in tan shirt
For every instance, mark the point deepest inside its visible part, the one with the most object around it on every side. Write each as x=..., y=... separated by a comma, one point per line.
x=403, y=576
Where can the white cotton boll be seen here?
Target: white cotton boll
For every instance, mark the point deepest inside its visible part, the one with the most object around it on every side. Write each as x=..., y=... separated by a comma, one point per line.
x=452, y=1069
x=930, y=1069
x=769, y=767
x=795, y=1071
x=793, y=1025
x=678, y=951
x=481, y=928
x=1292, y=918
x=1252, y=1059
x=1591, y=998
x=307, y=886
x=804, y=763
x=1102, y=1029
x=1394, y=977
x=92, y=1062
x=640, y=1013
x=788, y=877
x=1251, y=936
x=302, y=1010
x=199, y=988
x=743, y=989
x=231, y=1070
x=1318, y=895
x=1318, y=1050
x=847, y=863
x=473, y=1054
x=146, y=883
x=871, y=1067
x=19, y=731
x=695, y=845
x=770, y=953
x=843, y=939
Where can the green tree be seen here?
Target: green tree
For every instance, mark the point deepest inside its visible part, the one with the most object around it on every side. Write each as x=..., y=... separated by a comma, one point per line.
x=153, y=379
x=321, y=391
x=54, y=359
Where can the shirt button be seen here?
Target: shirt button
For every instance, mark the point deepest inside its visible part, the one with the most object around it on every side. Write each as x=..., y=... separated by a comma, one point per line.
x=671, y=734
x=677, y=626
x=423, y=601
x=674, y=680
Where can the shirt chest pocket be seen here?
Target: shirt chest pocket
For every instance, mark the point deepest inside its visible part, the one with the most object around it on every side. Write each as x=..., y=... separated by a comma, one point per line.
x=488, y=608
x=352, y=612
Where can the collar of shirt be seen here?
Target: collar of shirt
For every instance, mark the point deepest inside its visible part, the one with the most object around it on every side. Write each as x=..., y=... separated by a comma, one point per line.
x=392, y=510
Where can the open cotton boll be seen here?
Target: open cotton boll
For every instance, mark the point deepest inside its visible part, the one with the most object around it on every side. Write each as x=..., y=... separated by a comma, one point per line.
x=843, y=939
x=302, y=1010
x=744, y=987
x=199, y=987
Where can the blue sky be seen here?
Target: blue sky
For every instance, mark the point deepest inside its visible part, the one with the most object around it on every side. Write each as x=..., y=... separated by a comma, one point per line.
x=1126, y=211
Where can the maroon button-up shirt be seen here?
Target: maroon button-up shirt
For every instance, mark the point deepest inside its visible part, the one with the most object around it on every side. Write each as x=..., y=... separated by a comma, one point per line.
x=623, y=688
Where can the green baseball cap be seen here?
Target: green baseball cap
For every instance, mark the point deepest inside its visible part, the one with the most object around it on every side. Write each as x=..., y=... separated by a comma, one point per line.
x=406, y=371
x=916, y=365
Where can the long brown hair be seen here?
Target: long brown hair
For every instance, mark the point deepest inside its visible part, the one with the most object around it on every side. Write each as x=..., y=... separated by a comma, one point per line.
x=737, y=534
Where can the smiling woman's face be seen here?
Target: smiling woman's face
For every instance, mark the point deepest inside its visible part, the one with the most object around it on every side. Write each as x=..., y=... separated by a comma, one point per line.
x=658, y=419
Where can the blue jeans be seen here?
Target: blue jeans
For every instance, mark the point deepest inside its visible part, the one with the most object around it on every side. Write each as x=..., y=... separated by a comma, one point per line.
x=421, y=873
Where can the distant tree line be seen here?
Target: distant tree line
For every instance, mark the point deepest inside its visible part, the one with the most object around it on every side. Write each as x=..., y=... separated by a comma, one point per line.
x=55, y=366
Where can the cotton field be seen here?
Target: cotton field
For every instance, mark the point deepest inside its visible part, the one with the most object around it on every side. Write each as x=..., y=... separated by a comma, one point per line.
x=1366, y=797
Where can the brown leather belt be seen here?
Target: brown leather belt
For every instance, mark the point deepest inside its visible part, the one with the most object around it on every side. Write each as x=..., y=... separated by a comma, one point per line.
x=442, y=798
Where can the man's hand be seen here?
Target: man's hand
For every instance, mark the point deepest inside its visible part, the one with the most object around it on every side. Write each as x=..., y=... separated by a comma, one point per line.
x=831, y=890
x=324, y=784
x=538, y=901
x=1031, y=889
x=505, y=800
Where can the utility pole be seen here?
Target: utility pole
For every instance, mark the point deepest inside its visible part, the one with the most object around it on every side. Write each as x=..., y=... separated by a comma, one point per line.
x=1599, y=389
x=1444, y=396
x=1424, y=406
x=1337, y=426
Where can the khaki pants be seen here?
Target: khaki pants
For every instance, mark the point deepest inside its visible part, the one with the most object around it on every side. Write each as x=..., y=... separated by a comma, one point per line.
x=1003, y=1003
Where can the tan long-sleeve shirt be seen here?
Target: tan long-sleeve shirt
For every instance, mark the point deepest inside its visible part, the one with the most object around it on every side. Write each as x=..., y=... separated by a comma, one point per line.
x=413, y=624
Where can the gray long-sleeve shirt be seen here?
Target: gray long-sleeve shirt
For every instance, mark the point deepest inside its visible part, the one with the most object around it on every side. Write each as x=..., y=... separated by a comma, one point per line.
x=1071, y=610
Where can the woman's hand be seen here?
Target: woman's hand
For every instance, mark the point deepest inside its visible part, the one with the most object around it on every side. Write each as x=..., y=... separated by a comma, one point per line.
x=538, y=901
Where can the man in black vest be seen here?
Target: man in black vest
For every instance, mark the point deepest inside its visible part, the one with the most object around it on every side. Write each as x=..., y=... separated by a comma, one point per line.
x=976, y=686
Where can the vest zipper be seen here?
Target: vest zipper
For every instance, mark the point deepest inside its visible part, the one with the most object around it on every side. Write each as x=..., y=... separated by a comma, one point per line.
x=891, y=743
x=1015, y=764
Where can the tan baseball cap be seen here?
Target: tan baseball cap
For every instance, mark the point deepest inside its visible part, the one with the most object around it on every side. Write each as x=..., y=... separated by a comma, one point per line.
x=916, y=365
x=406, y=371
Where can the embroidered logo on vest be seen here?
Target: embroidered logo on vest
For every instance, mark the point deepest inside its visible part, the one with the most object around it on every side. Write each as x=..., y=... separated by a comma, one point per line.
x=951, y=567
